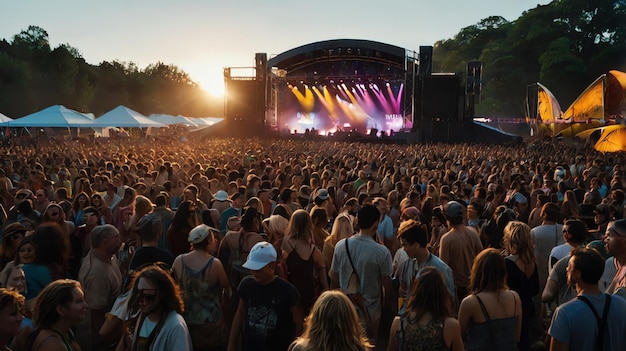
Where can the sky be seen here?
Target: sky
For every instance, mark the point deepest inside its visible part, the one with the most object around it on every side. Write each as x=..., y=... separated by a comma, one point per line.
x=202, y=37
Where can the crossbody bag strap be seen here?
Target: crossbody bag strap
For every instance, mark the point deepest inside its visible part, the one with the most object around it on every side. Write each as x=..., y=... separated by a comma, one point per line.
x=352, y=264
x=601, y=321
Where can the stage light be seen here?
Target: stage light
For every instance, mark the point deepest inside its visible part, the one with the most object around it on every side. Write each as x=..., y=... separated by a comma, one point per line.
x=387, y=84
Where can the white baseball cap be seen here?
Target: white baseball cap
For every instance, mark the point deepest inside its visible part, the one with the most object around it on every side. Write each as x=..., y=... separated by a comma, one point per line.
x=261, y=255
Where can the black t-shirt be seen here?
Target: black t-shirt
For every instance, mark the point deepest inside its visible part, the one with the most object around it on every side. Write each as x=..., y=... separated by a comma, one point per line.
x=150, y=254
x=268, y=324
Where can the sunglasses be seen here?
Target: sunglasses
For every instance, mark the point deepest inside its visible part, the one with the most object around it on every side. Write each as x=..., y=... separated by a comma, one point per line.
x=147, y=297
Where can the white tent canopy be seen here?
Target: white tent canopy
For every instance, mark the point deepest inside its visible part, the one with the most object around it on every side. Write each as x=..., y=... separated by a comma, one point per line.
x=56, y=116
x=206, y=121
x=5, y=118
x=169, y=119
x=124, y=117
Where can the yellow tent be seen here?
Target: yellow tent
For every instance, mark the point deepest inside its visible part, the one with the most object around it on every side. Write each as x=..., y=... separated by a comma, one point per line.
x=602, y=101
x=612, y=140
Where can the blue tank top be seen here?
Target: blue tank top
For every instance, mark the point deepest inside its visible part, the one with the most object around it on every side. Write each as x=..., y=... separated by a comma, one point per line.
x=494, y=334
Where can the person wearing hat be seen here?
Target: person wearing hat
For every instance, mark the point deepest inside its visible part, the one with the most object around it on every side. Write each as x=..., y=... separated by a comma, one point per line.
x=220, y=201
x=20, y=196
x=202, y=280
x=268, y=317
x=458, y=247
x=322, y=199
x=12, y=236
x=601, y=218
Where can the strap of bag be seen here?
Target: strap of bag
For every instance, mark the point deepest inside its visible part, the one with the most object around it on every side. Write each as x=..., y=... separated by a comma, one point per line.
x=352, y=264
x=601, y=321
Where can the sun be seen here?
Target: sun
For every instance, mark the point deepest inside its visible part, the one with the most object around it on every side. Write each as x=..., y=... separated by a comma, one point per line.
x=212, y=84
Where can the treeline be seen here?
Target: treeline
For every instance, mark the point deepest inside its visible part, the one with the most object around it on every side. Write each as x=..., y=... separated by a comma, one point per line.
x=564, y=45
x=34, y=76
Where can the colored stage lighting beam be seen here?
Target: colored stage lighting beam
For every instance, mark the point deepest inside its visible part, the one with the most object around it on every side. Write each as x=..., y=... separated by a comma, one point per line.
x=345, y=108
x=327, y=102
x=330, y=102
x=307, y=101
x=369, y=103
x=382, y=99
x=395, y=103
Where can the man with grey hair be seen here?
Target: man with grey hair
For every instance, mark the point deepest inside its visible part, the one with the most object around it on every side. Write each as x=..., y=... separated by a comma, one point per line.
x=101, y=280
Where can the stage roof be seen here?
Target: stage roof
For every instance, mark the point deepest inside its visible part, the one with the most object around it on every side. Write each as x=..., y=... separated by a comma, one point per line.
x=339, y=49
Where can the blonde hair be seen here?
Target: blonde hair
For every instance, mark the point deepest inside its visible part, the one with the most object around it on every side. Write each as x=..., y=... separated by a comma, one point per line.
x=143, y=205
x=517, y=238
x=300, y=225
x=342, y=228
x=332, y=325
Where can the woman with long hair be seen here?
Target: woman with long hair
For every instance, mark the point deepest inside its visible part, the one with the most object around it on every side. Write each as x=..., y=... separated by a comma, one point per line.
x=332, y=325
x=160, y=324
x=521, y=272
x=306, y=268
x=202, y=280
x=78, y=215
x=105, y=212
x=427, y=323
x=58, y=309
x=490, y=317
x=184, y=220
x=343, y=227
x=319, y=217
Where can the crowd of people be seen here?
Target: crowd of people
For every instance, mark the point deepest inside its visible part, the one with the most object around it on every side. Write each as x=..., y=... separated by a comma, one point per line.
x=233, y=244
